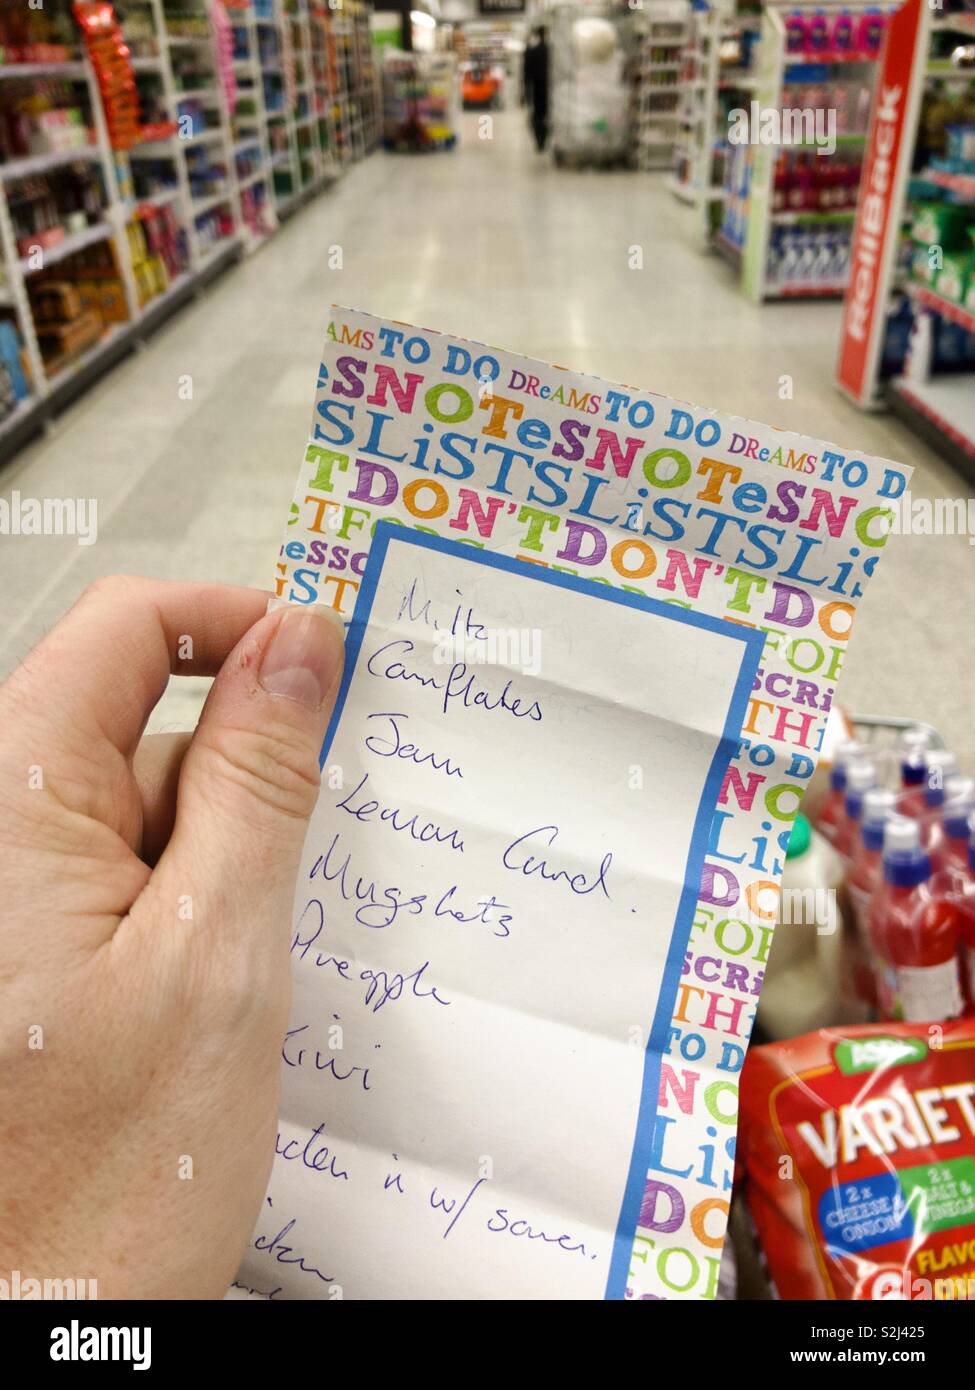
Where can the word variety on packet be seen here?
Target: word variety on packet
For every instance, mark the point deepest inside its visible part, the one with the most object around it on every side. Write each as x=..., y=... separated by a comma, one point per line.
x=856, y=1160
x=538, y=891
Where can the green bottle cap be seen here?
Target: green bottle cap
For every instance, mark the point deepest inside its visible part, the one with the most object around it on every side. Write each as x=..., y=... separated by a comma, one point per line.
x=800, y=837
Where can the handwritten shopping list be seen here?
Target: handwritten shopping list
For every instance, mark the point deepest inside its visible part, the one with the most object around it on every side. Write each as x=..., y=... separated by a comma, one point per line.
x=634, y=495
x=490, y=920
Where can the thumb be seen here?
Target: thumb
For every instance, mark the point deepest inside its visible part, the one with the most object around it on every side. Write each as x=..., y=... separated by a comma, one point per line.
x=250, y=777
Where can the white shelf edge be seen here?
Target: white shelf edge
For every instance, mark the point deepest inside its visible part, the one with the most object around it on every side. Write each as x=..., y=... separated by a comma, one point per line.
x=24, y=71
x=201, y=206
x=38, y=163
x=68, y=246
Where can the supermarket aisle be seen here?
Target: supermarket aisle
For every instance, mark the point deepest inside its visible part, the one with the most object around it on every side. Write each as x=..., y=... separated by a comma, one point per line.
x=494, y=244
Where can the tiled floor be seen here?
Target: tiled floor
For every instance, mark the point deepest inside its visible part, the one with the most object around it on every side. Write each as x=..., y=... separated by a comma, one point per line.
x=490, y=242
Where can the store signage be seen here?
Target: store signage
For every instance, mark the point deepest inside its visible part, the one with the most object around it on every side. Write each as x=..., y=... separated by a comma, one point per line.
x=502, y=7
x=885, y=170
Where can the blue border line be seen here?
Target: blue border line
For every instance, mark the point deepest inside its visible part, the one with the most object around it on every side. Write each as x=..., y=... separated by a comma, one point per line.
x=753, y=642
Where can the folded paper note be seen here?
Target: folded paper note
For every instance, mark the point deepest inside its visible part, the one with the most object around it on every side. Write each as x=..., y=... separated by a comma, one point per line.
x=594, y=638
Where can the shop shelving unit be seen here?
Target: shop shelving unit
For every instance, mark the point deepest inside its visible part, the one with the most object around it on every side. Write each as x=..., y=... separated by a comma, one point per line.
x=369, y=92
x=697, y=177
x=938, y=402
x=252, y=155
x=324, y=76
x=706, y=84
x=745, y=238
x=338, y=34
x=663, y=34
x=308, y=147
x=420, y=96
x=348, y=91
x=47, y=384
x=692, y=180
x=316, y=74
x=276, y=67
x=186, y=67
x=321, y=61
x=321, y=100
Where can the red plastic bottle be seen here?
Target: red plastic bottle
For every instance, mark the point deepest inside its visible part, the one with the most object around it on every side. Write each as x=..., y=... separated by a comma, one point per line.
x=862, y=879
x=860, y=777
x=833, y=811
x=914, y=933
x=950, y=855
x=866, y=864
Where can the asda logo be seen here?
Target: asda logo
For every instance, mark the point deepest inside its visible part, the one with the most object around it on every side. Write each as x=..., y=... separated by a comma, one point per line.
x=867, y=1054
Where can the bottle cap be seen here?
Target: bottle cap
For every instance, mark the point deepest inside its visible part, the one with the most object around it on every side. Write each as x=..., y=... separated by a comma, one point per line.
x=901, y=835
x=800, y=837
x=914, y=743
x=905, y=862
x=959, y=788
x=861, y=776
x=878, y=805
x=959, y=803
x=939, y=765
x=846, y=753
x=915, y=739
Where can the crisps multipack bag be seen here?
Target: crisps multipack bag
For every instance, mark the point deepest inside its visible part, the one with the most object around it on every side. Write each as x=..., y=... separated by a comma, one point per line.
x=857, y=1154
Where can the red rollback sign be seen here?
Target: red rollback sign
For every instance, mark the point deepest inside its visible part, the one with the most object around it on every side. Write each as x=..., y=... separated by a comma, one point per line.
x=112, y=62
x=885, y=170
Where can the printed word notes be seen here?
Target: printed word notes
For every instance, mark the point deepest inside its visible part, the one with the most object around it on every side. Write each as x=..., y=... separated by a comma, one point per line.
x=492, y=911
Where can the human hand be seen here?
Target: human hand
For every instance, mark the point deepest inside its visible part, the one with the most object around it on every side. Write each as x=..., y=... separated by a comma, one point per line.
x=145, y=912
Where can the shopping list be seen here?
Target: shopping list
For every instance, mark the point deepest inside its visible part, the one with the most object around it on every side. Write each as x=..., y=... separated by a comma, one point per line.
x=593, y=638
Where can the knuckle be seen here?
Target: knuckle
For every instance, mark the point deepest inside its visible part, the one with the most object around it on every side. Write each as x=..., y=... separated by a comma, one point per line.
x=111, y=586
x=274, y=766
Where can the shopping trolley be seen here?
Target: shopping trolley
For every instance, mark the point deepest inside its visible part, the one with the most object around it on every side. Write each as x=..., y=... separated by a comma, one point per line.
x=593, y=50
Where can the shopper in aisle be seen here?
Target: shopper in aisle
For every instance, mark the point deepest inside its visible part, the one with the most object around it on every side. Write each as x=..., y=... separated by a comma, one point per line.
x=536, y=70
x=147, y=889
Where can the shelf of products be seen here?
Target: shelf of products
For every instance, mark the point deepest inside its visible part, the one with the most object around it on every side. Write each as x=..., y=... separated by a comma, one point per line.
x=794, y=149
x=909, y=319
x=251, y=149
x=716, y=62
x=357, y=90
x=662, y=35
x=420, y=101
x=61, y=221
x=106, y=227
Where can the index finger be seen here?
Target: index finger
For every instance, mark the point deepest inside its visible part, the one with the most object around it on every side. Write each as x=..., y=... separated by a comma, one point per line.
x=104, y=667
